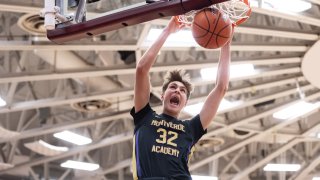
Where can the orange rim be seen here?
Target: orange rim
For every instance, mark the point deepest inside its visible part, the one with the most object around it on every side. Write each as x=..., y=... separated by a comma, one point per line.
x=240, y=21
x=176, y=18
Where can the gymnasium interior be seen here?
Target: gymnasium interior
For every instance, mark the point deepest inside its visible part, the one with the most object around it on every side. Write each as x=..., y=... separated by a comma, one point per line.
x=267, y=126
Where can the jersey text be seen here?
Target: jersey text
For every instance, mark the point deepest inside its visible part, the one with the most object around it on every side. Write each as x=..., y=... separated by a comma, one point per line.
x=165, y=150
x=168, y=124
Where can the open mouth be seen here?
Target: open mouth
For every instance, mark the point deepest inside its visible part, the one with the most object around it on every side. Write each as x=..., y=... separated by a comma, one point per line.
x=175, y=100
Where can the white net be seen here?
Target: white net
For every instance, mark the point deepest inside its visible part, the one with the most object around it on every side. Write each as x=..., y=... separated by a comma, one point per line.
x=237, y=10
x=187, y=18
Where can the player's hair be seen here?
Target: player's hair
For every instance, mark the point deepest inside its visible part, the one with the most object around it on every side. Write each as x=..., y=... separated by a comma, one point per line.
x=178, y=75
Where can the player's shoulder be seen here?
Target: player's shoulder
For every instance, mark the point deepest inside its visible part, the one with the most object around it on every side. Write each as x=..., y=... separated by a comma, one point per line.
x=185, y=122
x=191, y=120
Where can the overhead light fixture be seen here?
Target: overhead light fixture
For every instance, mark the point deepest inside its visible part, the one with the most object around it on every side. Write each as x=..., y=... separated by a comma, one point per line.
x=318, y=136
x=182, y=38
x=196, y=177
x=45, y=148
x=56, y=148
x=73, y=138
x=295, y=6
x=298, y=109
x=316, y=178
x=195, y=109
x=236, y=71
x=80, y=165
x=282, y=167
x=2, y=102
x=225, y=104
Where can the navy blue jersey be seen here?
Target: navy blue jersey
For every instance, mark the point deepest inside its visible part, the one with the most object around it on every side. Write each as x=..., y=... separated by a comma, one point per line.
x=162, y=144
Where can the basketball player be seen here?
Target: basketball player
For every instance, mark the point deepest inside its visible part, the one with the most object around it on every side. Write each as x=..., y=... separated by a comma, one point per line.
x=163, y=144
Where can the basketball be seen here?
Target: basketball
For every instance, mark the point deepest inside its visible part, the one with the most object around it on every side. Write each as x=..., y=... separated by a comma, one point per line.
x=211, y=29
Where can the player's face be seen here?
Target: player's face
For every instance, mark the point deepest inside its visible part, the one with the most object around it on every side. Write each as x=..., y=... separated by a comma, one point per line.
x=174, y=98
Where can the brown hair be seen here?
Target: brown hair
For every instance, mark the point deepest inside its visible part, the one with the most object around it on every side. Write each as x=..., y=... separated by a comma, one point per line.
x=178, y=75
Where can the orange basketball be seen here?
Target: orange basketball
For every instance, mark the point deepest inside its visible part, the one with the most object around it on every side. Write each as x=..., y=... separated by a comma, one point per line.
x=211, y=29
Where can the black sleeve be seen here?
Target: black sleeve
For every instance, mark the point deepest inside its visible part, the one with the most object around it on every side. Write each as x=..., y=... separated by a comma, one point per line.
x=196, y=128
x=141, y=115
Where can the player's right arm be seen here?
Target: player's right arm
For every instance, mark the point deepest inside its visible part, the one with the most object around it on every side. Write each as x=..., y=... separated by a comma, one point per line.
x=142, y=82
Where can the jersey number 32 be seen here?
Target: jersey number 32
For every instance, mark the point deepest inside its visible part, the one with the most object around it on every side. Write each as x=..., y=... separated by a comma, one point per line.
x=167, y=137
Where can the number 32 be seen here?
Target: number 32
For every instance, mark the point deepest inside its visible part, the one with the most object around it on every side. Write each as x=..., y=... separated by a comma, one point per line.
x=163, y=138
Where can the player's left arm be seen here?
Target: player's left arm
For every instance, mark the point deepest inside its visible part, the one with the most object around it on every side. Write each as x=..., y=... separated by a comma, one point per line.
x=214, y=98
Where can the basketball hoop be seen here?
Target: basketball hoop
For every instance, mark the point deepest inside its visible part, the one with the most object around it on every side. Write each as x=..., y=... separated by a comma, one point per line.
x=237, y=10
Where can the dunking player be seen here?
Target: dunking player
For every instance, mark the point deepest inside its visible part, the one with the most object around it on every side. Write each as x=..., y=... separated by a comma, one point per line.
x=162, y=143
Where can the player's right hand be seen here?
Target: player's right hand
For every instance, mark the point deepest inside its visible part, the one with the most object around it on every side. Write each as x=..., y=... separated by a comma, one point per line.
x=174, y=25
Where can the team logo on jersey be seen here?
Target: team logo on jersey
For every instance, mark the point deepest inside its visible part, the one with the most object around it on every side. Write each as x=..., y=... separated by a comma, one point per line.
x=164, y=123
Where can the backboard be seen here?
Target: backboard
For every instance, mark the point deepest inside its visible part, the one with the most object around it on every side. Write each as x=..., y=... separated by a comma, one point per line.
x=129, y=16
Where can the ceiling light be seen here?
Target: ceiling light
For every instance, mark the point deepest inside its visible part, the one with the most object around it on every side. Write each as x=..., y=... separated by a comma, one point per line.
x=316, y=178
x=288, y=5
x=2, y=102
x=182, y=38
x=236, y=71
x=45, y=148
x=298, y=109
x=225, y=104
x=56, y=148
x=80, y=165
x=282, y=167
x=72, y=137
x=196, y=177
x=195, y=109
